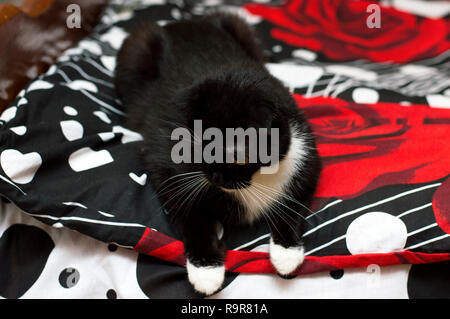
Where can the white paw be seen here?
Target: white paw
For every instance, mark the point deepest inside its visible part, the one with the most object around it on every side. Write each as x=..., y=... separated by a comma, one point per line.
x=286, y=260
x=206, y=280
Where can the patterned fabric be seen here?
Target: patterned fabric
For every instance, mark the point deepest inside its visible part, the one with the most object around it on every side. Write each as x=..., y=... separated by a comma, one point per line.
x=67, y=160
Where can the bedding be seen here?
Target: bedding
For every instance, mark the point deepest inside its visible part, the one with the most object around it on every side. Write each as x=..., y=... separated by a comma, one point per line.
x=380, y=117
x=64, y=264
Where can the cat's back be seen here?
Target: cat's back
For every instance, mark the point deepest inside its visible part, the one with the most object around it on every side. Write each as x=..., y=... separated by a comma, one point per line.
x=197, y=47
x=181, y=53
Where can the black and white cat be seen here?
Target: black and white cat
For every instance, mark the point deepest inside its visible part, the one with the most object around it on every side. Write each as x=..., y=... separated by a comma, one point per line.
x=212, y=69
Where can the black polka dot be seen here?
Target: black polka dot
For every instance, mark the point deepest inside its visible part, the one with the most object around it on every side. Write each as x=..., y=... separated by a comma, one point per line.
x=337, y=274
x=111, y=294
x=429, y=281
x=69, y=277
x=24, y=251
x=112, y=247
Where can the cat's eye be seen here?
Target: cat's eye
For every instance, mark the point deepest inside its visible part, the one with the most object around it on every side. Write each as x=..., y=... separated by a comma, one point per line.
x=235, y=161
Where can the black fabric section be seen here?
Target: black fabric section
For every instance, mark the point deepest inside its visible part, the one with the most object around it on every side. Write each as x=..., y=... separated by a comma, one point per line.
x=24, y=251
x=429, y=281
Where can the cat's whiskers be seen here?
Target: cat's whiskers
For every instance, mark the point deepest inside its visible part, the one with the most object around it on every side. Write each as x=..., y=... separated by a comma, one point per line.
x=178, y=175
x=177, y=184
x=290, y=198
x=204, y=184
x=182, y=190
x=284, y=205
x=265, y=215
x=192, y=192
x=279, y=212
x=258, y=198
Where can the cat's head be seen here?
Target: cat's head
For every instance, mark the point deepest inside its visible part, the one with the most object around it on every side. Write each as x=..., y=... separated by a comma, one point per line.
x=251, y=105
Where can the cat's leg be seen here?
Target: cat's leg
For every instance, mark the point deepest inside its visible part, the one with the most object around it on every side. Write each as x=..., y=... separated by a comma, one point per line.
x=286, y=246
x=204, y=252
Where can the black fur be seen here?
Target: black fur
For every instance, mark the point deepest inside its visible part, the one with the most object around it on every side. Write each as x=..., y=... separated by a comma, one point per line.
x=209, y=69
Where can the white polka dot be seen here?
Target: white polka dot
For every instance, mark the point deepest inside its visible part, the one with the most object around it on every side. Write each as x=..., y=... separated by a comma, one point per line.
x=19, y=130
x=86, y=158
x=82, y=85
x=109, y=62
x=69, y=52
x=289, y=74
x=91, y=46
x=72, y=130
x=405, y=103
x=102, y=116
x=277, y=48
x=51, y=70
x=70, y=111
x=176, y=14
x=39, y=85
x=304, y=54
x=353, y=72
x=415, y=69
x=219, y=230
x=376, y=232
x=365, y=95
x=162, y=22
x=250, y=18
x=128, y=135
x=441, y=101
x=115, y=37
x=8, y=114
x=106, y=136
x=58, y=225
x=22, y=101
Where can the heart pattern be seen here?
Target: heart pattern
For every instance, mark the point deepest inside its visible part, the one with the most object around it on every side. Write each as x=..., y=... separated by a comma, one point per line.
x=141, y=180
x=20, y=168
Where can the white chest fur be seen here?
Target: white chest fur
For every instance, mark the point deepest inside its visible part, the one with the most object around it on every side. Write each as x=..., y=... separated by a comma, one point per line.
x=267, y=189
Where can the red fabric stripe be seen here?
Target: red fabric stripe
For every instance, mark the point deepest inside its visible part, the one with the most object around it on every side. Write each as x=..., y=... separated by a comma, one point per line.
x=173, y=252
x=259, y=262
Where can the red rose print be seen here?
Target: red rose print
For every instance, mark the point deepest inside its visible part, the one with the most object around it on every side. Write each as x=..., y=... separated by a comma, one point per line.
x=364, y=147
x=441, y=206
x=338, y=29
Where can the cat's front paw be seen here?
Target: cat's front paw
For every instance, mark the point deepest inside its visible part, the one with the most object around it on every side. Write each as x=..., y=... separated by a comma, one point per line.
x=205, y=279
x=286, y=259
